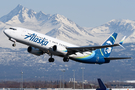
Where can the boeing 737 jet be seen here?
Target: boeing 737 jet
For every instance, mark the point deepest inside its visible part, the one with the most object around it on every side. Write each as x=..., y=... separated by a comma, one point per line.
x=39, y=44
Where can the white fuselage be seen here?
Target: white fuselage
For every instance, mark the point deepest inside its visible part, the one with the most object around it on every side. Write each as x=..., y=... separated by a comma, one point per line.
x=39, y=44
x=42, y=42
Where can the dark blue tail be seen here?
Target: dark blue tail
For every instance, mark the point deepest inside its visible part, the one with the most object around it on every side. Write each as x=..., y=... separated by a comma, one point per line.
x=101, y=84
x=110, y=41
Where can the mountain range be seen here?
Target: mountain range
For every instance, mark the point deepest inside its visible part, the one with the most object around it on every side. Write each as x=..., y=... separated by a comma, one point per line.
x=15, y=60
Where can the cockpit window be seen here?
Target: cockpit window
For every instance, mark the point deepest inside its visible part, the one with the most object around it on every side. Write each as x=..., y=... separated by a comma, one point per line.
x=13, y=28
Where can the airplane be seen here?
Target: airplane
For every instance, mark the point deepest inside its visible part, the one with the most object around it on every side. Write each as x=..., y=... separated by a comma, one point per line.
x=39, y=44
x=101, y=85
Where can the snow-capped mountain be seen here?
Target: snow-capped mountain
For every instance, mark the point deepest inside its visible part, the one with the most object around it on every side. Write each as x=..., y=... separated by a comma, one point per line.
x=58, y=26
x=122, y=27
x=55, y=25
x=63, y=28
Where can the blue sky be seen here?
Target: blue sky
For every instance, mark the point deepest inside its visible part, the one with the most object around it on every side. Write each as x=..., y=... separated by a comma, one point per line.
x=85, y=13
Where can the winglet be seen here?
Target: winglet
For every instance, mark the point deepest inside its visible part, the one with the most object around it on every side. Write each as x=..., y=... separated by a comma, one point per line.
x=121, y=42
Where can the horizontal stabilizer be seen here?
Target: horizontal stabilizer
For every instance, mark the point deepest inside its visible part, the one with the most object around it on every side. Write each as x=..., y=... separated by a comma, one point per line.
x=116, y=58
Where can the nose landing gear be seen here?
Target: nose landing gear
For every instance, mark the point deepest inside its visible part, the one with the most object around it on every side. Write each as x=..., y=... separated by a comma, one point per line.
x=14, y=42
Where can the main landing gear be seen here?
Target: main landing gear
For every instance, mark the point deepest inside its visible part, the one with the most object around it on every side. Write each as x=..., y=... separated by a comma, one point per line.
x=65, y=59
x=51, y=59
x=14, y=44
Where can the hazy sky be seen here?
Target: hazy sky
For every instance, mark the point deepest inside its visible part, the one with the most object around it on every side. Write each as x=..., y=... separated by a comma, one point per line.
x=85, y=13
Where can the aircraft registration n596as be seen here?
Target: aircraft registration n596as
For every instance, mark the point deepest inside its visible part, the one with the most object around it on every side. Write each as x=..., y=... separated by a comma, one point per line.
x=39, y=44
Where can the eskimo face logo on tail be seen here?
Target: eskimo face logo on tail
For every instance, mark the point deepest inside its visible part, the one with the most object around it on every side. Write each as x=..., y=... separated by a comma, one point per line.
x=109, y=49
x=34, y=38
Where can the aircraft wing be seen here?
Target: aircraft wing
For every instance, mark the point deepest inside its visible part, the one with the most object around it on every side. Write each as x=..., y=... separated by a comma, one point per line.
x=116, y=58
x=73, y=50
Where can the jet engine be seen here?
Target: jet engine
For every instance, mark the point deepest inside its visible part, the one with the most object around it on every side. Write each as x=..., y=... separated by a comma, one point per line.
x=59, y=49
x=54, y=48
x=35, y=51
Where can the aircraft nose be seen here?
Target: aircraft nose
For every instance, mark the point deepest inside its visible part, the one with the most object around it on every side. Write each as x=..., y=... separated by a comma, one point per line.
x=6, y=32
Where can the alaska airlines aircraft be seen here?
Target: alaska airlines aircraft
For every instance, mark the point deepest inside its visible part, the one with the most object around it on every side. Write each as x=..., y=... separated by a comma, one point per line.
x=101, y=85
x=39, y=44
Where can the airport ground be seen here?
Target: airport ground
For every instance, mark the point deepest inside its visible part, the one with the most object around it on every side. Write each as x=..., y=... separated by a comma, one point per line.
x=60, y=89
x=58, y=84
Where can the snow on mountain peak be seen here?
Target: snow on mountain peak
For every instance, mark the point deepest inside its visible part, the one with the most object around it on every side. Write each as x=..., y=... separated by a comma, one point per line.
x=59, y=26
x=42, y=13
x=20, y=7
x=62, y=19
x=18, y=15
x=55, y=25
x=123, y=26
x=13, y=13
x=121, y=22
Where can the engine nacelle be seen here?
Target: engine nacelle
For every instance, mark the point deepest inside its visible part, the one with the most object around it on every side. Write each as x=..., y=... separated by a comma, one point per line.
x=54, y=48
x=35, y=51
x=59, y=49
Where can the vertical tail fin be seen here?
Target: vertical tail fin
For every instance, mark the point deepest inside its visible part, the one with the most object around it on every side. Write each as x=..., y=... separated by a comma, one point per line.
x=101, y=84
x=110, y=41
